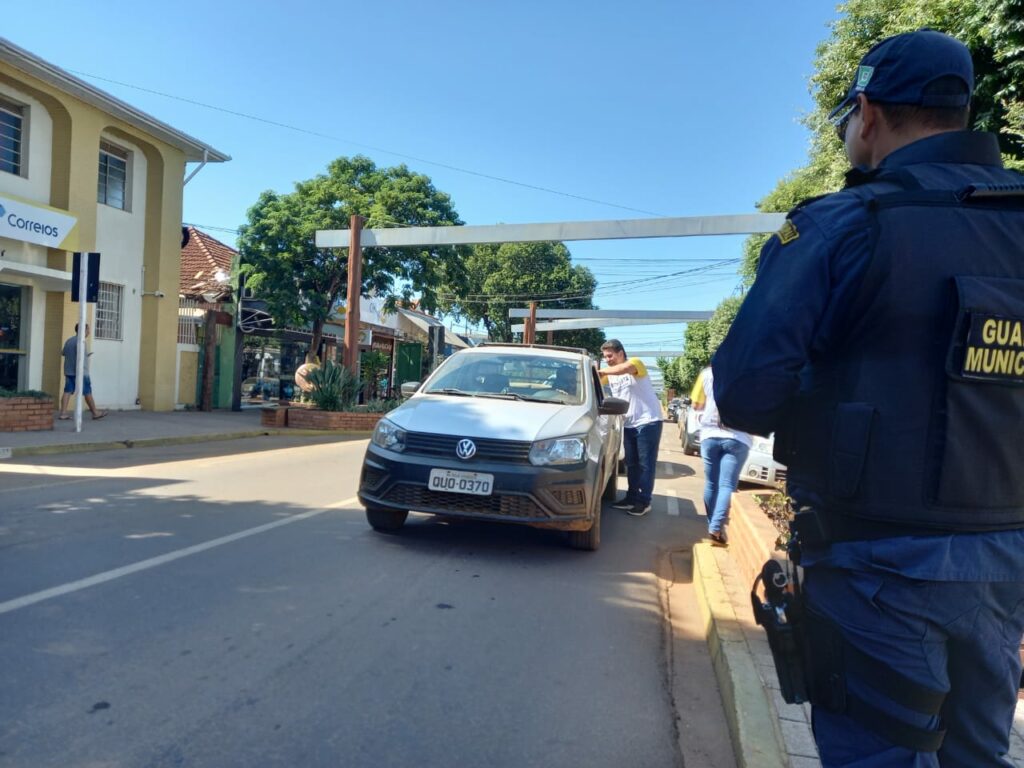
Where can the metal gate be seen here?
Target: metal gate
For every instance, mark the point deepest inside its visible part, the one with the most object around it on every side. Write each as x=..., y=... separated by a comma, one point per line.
x=408, y=362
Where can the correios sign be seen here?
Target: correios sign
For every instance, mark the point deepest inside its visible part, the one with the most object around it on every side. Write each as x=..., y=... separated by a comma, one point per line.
x=36, y=223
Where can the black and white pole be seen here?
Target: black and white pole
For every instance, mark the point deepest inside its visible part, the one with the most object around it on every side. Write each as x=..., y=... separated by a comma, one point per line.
x=83, y=281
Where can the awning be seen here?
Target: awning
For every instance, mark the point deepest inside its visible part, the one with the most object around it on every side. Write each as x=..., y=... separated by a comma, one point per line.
x=44, y=277
x=425, y=323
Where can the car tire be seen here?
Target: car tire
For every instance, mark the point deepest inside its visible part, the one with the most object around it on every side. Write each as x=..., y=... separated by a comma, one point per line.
x=386, y=520
x=688, y=447
x=589, y=540
x=611, y=486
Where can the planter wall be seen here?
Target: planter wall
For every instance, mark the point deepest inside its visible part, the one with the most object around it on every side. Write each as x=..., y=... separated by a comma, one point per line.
x=25, y=414
x=348, y=421
x=751, y=535
x=273, y=417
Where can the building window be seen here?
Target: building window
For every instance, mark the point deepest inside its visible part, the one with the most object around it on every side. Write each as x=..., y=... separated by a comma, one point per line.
x=109, y=306
x=12, y=119
x=113, y=182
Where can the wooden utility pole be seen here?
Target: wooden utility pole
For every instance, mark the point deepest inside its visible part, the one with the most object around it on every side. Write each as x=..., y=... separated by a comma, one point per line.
x=530, y=331
x=355, y=287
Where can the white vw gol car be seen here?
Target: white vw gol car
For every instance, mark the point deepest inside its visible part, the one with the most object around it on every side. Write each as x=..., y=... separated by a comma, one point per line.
x=503, y=432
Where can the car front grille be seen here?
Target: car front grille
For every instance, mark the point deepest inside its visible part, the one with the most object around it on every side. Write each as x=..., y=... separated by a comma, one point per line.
x=487, y=449
x=780, y=475
x=416, y=497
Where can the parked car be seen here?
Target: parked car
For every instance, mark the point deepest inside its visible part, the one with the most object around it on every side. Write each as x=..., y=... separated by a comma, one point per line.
x=673, y=408
x=760, y=468
x=510, y=433
x=689, y=428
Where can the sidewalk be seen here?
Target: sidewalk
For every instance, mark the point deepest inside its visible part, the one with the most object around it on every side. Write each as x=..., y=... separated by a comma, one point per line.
x=765, y=730
x=125, y=429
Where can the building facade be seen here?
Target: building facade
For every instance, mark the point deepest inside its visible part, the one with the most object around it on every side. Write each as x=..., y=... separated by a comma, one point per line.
x=83, y=171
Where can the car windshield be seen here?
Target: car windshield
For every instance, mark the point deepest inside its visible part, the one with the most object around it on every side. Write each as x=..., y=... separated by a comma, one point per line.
x=510, y=375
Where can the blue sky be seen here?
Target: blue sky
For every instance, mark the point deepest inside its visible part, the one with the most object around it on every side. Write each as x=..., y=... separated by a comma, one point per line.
x=661, y=108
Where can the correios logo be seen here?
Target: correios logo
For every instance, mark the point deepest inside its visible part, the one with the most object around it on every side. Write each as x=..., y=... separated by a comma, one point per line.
x=16, y=221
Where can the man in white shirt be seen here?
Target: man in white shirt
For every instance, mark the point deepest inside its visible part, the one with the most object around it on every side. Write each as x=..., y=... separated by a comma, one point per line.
x=641, y=436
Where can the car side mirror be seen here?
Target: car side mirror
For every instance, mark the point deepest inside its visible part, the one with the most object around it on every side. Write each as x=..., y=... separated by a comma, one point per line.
x=613, y=406
x=409, y=388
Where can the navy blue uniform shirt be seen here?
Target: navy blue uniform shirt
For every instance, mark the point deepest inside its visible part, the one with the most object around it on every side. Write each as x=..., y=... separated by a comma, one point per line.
x=796, y=309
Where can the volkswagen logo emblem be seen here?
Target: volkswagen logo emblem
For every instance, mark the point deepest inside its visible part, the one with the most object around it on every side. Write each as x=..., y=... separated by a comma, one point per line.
x=466, y=449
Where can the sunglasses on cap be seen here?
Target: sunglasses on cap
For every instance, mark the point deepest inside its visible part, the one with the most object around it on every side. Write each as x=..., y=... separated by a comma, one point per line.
x=841, y=120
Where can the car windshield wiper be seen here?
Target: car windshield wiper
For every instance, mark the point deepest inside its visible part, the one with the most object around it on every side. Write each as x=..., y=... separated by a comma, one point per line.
x=450, y=391
x=517, y=396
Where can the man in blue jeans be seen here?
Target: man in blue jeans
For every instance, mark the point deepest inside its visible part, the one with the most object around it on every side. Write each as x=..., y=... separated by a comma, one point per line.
x=627, y=378
x=723, y=450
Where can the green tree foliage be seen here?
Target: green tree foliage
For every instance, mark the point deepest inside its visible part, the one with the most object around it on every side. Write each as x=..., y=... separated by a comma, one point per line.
x=303, y=284
x=507, y=276
x=670, y=373
x=992, y=29
x=695, y=354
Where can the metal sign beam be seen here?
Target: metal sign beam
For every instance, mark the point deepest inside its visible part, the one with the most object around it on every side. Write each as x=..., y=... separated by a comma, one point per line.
x=578, y=323
x=623, y=229
x=651, y=315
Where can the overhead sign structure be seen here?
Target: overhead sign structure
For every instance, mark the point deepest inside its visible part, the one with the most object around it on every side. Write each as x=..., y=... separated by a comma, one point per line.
x=36, y=223
x=623, y=229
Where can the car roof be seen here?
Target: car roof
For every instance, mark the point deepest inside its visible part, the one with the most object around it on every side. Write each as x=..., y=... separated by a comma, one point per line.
x=539, y=350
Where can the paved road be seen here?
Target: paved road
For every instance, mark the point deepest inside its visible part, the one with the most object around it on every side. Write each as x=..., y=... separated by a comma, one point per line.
x=227, y=605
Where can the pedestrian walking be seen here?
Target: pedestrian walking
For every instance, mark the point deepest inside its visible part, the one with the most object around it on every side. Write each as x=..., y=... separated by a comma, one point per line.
x=641, y=434
x=70, y=354
x=881, y=341
x=723, y=451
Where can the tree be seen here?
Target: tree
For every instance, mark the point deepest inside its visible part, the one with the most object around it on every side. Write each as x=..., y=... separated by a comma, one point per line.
x=303, y=284
x=509, y=275
x=992, y=29
x=695, y=354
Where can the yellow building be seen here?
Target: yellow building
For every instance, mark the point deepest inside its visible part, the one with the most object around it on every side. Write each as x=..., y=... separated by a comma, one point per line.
x=81, y=170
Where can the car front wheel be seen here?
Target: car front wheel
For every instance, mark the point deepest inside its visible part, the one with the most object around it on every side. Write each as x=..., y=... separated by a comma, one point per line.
x=388, y=520
x=611, y=487
x=589, y=540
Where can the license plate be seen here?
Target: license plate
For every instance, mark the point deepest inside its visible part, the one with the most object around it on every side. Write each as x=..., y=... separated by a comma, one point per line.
x=454, y=481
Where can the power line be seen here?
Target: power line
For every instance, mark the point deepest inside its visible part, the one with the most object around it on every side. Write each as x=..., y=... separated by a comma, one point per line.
x=308, y=132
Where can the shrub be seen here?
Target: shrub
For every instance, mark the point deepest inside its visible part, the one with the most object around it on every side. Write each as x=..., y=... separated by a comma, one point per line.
x=335, y=388
x=382, y=406
x=23, y=393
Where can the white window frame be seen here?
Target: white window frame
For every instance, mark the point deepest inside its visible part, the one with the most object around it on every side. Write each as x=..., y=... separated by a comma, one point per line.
x=115, y=154
x=109, y=318
x=19, y=111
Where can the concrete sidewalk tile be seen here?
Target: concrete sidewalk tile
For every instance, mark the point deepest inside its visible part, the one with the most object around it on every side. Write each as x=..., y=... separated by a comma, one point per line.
x=799, y=739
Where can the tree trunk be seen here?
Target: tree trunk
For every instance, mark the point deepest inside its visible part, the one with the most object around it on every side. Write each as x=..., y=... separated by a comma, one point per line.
x=314, y=343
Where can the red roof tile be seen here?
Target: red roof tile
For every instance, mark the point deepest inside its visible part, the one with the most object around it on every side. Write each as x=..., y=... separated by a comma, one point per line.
x=201, y=259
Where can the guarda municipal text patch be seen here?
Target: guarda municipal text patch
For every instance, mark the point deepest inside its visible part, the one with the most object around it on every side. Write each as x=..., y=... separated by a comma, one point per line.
x=788, y=233
x=995, y=349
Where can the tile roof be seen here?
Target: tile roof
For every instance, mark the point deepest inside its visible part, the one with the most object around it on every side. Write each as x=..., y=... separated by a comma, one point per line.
x=201, y=259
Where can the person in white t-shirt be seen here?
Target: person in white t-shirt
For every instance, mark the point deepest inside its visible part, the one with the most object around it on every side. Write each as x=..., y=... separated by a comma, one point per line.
x=641, y=434
x=723, y=450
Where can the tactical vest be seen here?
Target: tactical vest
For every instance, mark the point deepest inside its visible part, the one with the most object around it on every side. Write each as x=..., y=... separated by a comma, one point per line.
x=914, y=422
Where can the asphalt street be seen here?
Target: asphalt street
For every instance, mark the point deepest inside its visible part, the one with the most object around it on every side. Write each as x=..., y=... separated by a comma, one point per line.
x=227, y=605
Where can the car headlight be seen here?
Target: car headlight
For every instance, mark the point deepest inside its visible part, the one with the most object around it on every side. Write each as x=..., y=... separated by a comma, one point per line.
x=763, y=446
x=562, y=450
x=389, y=436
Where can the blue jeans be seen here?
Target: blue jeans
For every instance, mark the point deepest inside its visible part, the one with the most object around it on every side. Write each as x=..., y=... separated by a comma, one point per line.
x=723, y=459
x=641, y=447
x=958, y=637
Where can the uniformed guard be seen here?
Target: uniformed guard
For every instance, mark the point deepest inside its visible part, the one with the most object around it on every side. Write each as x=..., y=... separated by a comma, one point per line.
x=882, y=343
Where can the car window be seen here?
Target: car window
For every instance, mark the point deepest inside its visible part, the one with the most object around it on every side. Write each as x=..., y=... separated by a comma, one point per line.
x=510, y=374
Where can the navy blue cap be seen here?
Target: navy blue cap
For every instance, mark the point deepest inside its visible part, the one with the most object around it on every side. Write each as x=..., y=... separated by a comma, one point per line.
x=898, y=69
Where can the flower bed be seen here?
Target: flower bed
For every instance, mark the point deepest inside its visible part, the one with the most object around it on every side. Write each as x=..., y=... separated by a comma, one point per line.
x=26, y=413
x=312, y=418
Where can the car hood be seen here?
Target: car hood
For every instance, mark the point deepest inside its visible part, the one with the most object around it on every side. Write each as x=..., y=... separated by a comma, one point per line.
x=489, y=417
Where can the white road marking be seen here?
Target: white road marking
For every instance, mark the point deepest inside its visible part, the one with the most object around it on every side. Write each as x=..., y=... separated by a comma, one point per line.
x=673, y=502
x=668, y=468
x=153, y=562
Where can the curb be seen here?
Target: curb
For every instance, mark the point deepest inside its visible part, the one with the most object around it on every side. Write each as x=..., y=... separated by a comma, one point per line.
x=111, y=445
x=148, y=442
x=753, y=725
